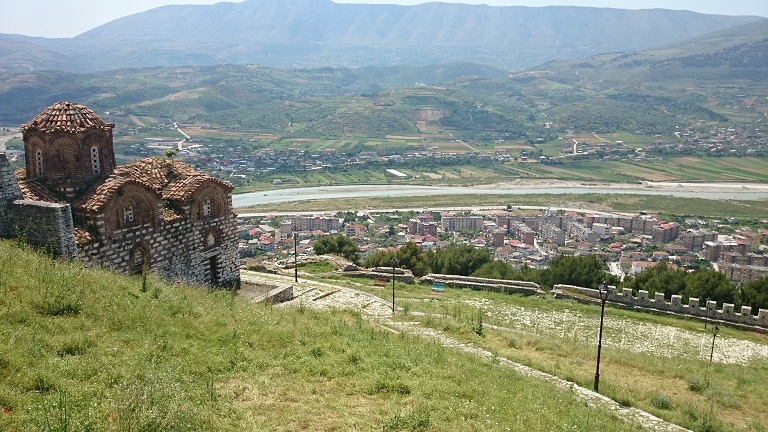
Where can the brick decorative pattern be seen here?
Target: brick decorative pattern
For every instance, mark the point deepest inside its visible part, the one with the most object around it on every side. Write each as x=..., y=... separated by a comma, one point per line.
x=69, y=148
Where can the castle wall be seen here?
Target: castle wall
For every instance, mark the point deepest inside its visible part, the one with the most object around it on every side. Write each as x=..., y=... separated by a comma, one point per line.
x=9, y=192
x=43, y=225
x=675, y=305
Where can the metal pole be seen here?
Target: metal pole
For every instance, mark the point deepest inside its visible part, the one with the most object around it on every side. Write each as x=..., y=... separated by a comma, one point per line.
x=393, y=261
x=295, y=257
x=603, y=291
x=714, y=335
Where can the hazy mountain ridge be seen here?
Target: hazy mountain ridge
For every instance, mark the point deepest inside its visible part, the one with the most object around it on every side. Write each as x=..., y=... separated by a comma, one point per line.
x=315, y=33
x=730, y=55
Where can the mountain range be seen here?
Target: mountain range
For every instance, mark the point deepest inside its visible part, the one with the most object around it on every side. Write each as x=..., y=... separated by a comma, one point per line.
x=321, y=33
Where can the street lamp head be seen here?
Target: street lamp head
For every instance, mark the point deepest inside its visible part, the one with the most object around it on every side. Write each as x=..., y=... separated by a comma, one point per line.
x=604, y=291
x=393, y=261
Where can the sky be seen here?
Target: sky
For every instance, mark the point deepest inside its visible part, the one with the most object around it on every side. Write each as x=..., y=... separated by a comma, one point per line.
x=68, y=18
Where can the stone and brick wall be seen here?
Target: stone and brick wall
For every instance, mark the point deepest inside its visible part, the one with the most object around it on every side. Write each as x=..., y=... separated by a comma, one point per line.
x=177, y=250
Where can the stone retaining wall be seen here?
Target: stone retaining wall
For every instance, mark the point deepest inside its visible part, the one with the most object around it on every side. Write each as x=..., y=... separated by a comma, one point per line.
x=9, y=192
x=282, y=293
x=401, y=275
x=43, y=225
x=495, y=285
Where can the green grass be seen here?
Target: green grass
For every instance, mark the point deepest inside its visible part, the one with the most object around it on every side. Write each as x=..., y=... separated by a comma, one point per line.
x=85, y=349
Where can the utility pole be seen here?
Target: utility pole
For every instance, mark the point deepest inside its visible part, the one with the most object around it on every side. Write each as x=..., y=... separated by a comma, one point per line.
x=295, y=256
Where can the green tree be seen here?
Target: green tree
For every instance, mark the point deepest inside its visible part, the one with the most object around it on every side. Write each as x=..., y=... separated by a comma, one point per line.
x=460, y=260
x=755, y=293
x=660, y=278
x=586, y=271
x=410, y=256
x=711, y=284
x=503, y=270
x=337, y=245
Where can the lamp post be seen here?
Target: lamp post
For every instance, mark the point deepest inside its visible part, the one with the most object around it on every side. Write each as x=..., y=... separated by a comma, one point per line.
x=393, y=262
x=295, y=257
x=714, y=335
x=603, y=291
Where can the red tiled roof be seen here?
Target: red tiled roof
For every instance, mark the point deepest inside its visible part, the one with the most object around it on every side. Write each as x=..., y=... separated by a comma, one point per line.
x=34, y=191
x=68, y=117
x=171, y=180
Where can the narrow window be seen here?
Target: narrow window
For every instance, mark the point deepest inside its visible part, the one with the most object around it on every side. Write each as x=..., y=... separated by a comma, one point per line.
x=207, y=208
x=39, y=162
x=95, y=164
x=128, y=215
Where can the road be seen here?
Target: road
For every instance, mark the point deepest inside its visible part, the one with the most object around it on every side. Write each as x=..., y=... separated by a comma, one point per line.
x=5, y=138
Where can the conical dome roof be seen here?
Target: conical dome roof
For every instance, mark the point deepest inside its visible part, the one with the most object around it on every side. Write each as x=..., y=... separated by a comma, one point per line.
x=67, y=117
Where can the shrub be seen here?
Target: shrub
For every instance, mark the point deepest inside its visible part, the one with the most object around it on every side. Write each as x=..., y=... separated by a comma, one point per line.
x=661, y=401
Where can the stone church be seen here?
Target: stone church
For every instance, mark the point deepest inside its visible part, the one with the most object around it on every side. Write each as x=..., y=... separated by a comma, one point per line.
x=73, y=200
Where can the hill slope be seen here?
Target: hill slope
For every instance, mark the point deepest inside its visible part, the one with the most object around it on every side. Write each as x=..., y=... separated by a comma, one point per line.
x=88, y=350
x=315, y=33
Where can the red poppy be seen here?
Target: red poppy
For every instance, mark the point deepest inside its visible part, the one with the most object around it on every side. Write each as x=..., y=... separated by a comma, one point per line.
x=6, y=411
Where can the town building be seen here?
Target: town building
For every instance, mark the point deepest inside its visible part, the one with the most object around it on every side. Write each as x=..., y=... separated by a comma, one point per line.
x=325, y=224
x=694, y=240
x=454, y=223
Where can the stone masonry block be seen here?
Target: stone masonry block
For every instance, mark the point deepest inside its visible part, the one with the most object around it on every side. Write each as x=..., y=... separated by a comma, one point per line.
x=659, y=297
x=693, y=302
x=746, y=311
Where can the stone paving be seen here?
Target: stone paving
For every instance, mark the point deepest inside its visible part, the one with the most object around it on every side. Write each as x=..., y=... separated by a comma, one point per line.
x=323, y=295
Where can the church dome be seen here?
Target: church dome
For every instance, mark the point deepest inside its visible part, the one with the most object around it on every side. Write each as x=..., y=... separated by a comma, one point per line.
x=67, y=117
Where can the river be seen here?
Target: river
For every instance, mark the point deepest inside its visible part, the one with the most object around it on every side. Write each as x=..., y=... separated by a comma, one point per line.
x=746, y=191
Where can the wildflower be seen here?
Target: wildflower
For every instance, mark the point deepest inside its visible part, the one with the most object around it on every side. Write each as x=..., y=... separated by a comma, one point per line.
x=6, y=411
x=112, y=417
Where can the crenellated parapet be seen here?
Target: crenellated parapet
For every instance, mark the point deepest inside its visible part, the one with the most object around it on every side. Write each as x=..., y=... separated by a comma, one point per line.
x=693, y=308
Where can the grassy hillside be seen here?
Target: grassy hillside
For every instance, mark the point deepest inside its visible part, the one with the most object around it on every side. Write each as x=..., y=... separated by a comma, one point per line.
x=85, y=349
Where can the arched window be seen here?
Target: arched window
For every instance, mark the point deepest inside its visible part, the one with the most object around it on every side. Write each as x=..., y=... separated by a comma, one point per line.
x=39, y=163
x=95, y=163
x=128, y=216
x=207, y=207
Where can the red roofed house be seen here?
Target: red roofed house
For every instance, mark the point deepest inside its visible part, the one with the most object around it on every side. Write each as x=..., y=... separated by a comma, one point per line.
x=159, y=214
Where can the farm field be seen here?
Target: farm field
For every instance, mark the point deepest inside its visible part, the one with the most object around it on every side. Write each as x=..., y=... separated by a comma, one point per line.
x=671, y=170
